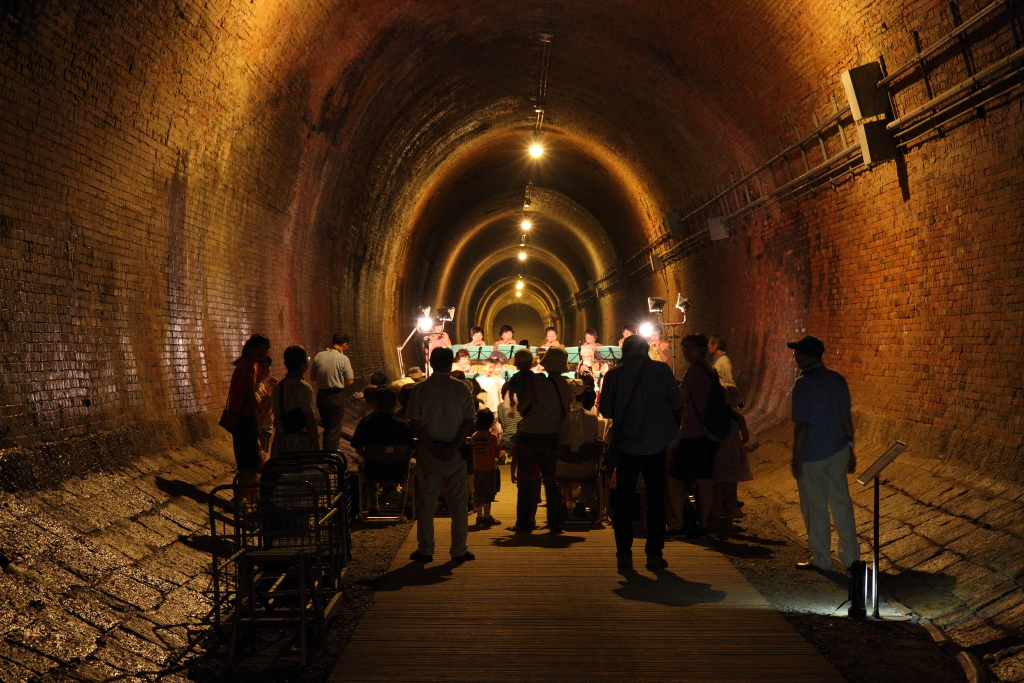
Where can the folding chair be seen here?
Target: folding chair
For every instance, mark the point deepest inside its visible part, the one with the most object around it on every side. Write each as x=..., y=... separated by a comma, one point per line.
x=387, y=465
x=583, y=467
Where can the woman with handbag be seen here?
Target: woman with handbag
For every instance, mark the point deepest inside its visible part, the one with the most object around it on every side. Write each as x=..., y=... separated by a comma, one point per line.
x=241, y=415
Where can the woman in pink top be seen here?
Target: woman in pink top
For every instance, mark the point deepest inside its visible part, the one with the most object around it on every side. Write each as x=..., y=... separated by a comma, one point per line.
x=438, y=337
x=243, y=402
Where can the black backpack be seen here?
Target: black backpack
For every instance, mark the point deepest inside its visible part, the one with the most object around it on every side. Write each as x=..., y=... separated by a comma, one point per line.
x=717, y=417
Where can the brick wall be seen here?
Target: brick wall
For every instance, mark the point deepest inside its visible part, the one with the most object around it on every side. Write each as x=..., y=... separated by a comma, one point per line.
x=148, y=218
x=913, y=284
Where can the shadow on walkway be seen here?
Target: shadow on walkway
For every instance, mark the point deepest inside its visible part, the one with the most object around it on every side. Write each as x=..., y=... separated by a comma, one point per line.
x=415, y=574
x=743, y=550
x=177, y=487
x=666, y=588
x=542, y=540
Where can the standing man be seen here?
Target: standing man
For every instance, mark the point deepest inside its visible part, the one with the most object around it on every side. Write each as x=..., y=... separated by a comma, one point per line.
x=331, y=373
x=723, y=366
x=442, y=414
x=640, y=397
x=823, y=455
x=544, y=406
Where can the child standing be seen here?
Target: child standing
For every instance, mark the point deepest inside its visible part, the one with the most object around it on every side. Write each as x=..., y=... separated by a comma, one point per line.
x=485, y=464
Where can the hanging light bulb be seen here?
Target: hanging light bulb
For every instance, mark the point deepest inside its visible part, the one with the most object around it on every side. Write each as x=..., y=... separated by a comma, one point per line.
x=527, y=224
x=522, y=256
x=536, y=150
x=519, y=285
x=518, y=294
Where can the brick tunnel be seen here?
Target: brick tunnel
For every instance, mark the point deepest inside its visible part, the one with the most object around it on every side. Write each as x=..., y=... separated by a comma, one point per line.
x=176, y=176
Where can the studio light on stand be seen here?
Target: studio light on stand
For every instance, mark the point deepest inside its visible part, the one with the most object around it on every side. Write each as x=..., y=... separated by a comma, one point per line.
x=424, y=323
x=655, y=304
x=683, y=304
x=445, y=314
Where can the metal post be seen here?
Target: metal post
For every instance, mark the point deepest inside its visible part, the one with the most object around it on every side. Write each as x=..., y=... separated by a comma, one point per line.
x=874, y=555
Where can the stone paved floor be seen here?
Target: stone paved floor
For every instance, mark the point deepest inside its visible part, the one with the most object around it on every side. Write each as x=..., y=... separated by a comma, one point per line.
x=952, y=544
x=107, y=575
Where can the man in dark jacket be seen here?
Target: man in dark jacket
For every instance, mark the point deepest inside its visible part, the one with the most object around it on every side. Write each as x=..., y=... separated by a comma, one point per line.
x=640, y=396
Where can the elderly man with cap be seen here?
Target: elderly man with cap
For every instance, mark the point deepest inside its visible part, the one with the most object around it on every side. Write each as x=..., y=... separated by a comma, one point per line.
x=823, y=455
x=544, y=406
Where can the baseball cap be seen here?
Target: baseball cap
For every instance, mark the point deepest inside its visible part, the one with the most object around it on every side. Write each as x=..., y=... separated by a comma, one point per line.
x=809, y=346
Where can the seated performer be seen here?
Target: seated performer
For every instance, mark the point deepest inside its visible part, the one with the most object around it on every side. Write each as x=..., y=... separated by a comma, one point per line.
x=550, y=339
x=462, y=361
x=659, y=348
x=590, y=357
x=477, y=337
x=507, y=338
x=438, y=337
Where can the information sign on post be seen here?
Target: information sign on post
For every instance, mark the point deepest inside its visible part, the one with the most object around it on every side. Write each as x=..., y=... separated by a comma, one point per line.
x=872, y=474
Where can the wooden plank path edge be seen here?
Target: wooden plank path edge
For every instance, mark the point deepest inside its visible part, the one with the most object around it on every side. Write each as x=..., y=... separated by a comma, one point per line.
x=552, y=609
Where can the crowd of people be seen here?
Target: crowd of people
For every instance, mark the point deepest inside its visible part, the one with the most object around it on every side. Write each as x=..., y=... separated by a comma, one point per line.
x=683, y=443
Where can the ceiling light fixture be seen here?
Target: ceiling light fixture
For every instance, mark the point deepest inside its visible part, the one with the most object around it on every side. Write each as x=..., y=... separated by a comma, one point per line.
x=519, y=285
x=526, y=224
x=536, y=150
x=522, y=256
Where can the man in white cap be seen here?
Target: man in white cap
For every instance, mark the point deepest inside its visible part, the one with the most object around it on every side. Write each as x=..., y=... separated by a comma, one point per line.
x=823, y=455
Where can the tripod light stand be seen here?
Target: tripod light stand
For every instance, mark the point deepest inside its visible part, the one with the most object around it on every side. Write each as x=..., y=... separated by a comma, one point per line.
x=657, y=305
x=423, y=324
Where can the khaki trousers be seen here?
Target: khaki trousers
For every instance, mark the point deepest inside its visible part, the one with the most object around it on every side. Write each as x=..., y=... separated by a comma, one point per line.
x=431, y=474
x=824, y=488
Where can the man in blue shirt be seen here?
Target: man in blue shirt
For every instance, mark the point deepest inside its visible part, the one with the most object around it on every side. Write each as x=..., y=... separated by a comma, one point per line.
x=823, y=455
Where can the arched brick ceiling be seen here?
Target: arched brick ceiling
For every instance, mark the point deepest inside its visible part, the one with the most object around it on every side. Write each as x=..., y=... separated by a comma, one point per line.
x=426, y=126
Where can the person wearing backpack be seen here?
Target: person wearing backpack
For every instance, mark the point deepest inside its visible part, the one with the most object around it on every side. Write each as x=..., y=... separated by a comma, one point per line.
x=706, y=420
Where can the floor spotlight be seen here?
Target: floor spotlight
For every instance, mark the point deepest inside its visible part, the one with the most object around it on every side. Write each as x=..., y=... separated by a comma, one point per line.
x=655, y=304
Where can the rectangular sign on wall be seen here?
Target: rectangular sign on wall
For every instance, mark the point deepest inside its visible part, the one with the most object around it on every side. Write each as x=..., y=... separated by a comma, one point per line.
x=718, y=228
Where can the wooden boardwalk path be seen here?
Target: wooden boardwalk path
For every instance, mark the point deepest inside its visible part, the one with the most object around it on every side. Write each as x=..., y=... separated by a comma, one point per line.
x=551, y=608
